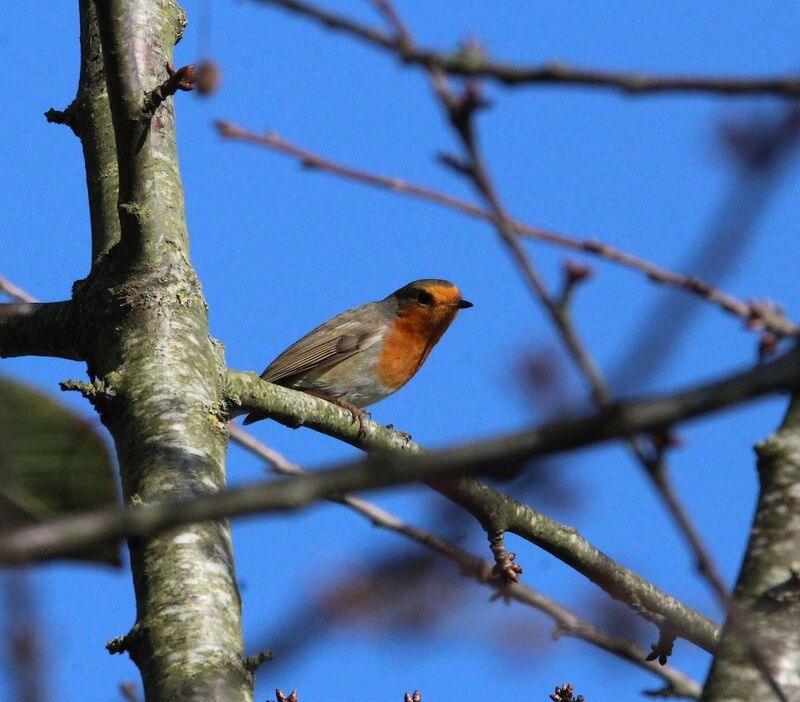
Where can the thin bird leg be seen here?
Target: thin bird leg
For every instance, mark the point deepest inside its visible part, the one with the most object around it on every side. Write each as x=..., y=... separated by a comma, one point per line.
x=359, y=413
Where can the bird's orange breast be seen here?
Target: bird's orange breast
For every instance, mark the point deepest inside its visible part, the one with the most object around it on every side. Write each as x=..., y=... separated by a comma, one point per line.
x=408, y=344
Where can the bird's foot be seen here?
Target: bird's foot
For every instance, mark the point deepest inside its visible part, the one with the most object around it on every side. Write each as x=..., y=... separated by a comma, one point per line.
x=360, y=414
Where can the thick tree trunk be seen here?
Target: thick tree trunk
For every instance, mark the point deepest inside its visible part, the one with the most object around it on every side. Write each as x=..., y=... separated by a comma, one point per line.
x=158, y=374
x=760, y=646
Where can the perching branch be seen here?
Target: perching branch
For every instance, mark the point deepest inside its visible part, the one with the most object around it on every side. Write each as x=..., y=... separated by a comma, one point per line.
x=472, y=61
x=381, y=468
x=756, y=315
x=393, y=467
x=248, y=393
x=568, y=623
x=482, y=500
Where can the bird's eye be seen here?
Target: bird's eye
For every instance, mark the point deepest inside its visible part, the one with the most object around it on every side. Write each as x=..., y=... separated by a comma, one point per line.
x=424, y=298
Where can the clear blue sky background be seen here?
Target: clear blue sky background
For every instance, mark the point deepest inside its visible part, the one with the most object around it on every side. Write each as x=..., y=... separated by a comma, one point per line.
x=279, y=250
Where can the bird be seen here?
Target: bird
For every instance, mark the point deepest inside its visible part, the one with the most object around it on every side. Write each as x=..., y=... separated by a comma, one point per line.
x=369, y=352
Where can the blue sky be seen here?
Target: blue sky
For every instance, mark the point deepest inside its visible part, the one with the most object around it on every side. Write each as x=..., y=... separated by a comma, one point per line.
x=280, y=249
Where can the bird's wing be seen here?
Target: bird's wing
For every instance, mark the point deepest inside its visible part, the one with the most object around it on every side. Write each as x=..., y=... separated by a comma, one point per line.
x=323, y=347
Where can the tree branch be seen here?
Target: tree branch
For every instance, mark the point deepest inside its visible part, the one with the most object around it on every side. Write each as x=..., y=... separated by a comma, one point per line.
x=392, y=467
x=40, y=329
x=472, y=62
x=755, y=315
x=248, y=393
x=144, y=210
x=568, y=623
x=380, y=469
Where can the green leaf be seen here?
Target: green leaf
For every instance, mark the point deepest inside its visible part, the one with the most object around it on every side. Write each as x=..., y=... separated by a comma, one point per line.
x=52, y=463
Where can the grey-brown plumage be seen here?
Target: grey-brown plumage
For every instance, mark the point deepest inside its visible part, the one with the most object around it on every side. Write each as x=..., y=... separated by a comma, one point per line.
x=348, y=358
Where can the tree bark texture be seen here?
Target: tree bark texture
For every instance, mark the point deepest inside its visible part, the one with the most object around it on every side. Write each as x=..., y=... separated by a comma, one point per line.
x=763, y=633
x=158, y=377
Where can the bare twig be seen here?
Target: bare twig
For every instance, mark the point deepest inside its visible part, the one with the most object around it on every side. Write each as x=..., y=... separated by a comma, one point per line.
x=567, y=622
x=751, y=312
x=14, y=292
x=461, y=112
x=472, y=62
x=393, y=467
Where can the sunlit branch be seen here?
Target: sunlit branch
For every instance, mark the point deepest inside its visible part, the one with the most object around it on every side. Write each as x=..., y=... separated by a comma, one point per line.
x=755, y=314
x=568, y=623
x=472, y=61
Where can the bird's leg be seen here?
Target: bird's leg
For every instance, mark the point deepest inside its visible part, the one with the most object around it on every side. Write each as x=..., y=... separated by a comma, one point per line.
x=359, y=413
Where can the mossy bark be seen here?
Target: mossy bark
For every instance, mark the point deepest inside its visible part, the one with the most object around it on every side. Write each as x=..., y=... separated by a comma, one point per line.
x=145, y=337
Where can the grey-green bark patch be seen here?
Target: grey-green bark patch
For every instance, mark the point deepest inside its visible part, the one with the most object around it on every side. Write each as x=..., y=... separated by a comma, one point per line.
x=150, y=345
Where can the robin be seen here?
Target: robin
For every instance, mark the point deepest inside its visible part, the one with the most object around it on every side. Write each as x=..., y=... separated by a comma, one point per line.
x=365, y=354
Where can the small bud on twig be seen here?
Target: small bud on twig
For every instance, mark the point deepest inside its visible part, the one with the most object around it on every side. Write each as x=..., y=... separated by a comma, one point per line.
x=207, y=77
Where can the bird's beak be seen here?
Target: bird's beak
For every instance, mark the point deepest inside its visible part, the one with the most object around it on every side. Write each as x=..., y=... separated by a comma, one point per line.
x=464, y=304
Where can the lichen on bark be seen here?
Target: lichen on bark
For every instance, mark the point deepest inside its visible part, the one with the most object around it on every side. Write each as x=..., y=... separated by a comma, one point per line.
x=148, y=342
x=760, y=647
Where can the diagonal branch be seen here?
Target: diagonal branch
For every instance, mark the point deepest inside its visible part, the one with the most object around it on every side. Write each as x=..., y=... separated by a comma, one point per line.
x=380, y=469
x=14, y=292
x=756, y=315
x=568, y=623
x=473, y=62
x=392, y=467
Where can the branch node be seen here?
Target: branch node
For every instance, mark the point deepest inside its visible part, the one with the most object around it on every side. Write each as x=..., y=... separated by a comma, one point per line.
x=180, y=79
x=662, y=649
x=94, y=391
x=65, y=117
x=504, y=567
x=462, y=109
x=88, y=390
x=254, y=662
x=767, y=346
x=574, y=273
x=566, y=693
x=456, y=163
x=207, y=77
x=120, y=644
